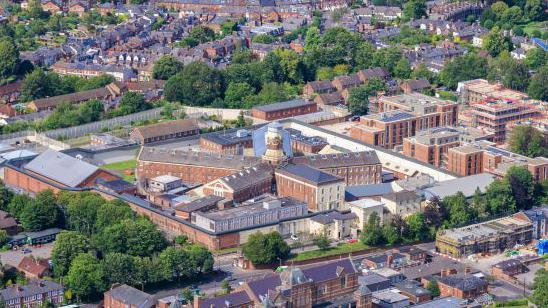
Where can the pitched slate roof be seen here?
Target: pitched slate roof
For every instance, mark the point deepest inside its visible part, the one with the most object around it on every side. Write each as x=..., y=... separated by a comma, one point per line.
x=62, y=168
x=401, y=196
x=228, y=300
x=323, y=161
x=132, y=297
x=309, y=174
x=464, y=282
x=34, y=287
x=71, y=98
x=167, y=128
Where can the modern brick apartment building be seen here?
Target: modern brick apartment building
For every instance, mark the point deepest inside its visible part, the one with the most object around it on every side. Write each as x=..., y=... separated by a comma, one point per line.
x=465, y=160
x=432, y=146
x=320, y=190
x=284, y=110
x=496, y=115
x=331, y=283
x=388, y=129
x=358, y=168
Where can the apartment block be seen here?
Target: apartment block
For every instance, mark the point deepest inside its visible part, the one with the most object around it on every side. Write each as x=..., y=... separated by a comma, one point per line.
x=477, y=90
x=498, y=114
x=465, y=160
x=432, y=146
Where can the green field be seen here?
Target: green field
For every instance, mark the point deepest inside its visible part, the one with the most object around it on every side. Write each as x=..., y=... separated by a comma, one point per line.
x=541, y=26
x=340, y=249
x=121, y=166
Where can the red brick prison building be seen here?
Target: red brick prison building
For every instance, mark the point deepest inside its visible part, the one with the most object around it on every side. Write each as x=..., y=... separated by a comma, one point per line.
x=357, y=168
x=165, y=131
x=243, y=185
x=464, y=286
x=320, y=190
x=54, y=167
x=231, y=142
x=327, y=284
x=284, y=110
x=191, y=167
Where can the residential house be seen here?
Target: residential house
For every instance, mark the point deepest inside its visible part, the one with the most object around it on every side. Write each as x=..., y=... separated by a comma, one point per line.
x=34, y=268
x=34, y=293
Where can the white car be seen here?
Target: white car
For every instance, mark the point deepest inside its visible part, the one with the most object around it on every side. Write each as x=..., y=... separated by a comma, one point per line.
x=294, y=237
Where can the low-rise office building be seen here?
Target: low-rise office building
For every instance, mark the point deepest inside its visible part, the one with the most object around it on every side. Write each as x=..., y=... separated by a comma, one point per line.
x=402, y=203
x=253, y=214
x=493, y=236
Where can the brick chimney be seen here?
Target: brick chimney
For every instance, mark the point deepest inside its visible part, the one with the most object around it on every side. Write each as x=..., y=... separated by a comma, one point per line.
x=197, y=301
x=389, y=260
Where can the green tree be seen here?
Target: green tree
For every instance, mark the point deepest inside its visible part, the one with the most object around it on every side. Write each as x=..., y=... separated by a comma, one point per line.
x=527, y=140
x=201, y=259
x=166, y=67
x=467, y=67
x=496, y=42
x=197, y=84
x=538, y=88
x=390, y=234
x=263, y=39
x=511, y=72
x=521, y=185
x=147, y=270
x=536, y=58
x=243, y=57
x=82, y=212
x=418, y=230
x=132, y=102
x=402, y=69
x=358, y=100
x=372, y=233
x=9, y=57
x=479, y=203
x=202, y=34
x=36, y=85
x=3, y=237
x=86, y=277
x=364, y=55
x=324, y=73
x=540, y=290
x=322, y=241
x=499, y=198
x=265, y=248
x=5, y=196
x=175, y=263
x=225, y=286
x=118, y=268
x=535, y=10
x=67, y=246
x=458, y=210
x=228, y=27
x=421, y=71
x=414, y=9
x=42, y=213
x=240, y=121
x=433, y=288
x=312, y=38
x=17, y=204
x=237, y=93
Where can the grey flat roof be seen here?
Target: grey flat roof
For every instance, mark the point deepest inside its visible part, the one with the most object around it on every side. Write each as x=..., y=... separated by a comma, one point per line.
x=445, y=302
x=467, y=185
x=310, y=174
x=61, y=168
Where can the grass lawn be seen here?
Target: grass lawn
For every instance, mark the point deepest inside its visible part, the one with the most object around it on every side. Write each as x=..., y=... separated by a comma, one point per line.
x=224, y=251
x=541, y=26
x=121, y=166
x=341, y=248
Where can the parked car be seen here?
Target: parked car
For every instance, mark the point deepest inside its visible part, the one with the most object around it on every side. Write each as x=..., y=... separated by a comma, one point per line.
x=26, y=250
x=294, y=237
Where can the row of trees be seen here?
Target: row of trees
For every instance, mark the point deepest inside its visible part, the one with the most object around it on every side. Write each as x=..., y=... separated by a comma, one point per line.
x=107, y=243
x=516, y=191
x=510, y=15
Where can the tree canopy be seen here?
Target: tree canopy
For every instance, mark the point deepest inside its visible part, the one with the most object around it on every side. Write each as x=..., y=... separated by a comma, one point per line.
x=265, y=248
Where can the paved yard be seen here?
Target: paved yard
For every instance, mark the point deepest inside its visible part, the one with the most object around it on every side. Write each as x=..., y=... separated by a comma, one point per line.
x=13, y=257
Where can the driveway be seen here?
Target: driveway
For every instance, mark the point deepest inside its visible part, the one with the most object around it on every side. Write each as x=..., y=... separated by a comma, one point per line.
x=13, y=257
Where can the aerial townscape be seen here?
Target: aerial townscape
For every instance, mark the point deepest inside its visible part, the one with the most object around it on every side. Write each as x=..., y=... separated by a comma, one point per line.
x=273, y=153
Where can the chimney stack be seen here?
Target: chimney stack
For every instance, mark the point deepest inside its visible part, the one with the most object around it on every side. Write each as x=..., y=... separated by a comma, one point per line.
x=389, y=260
